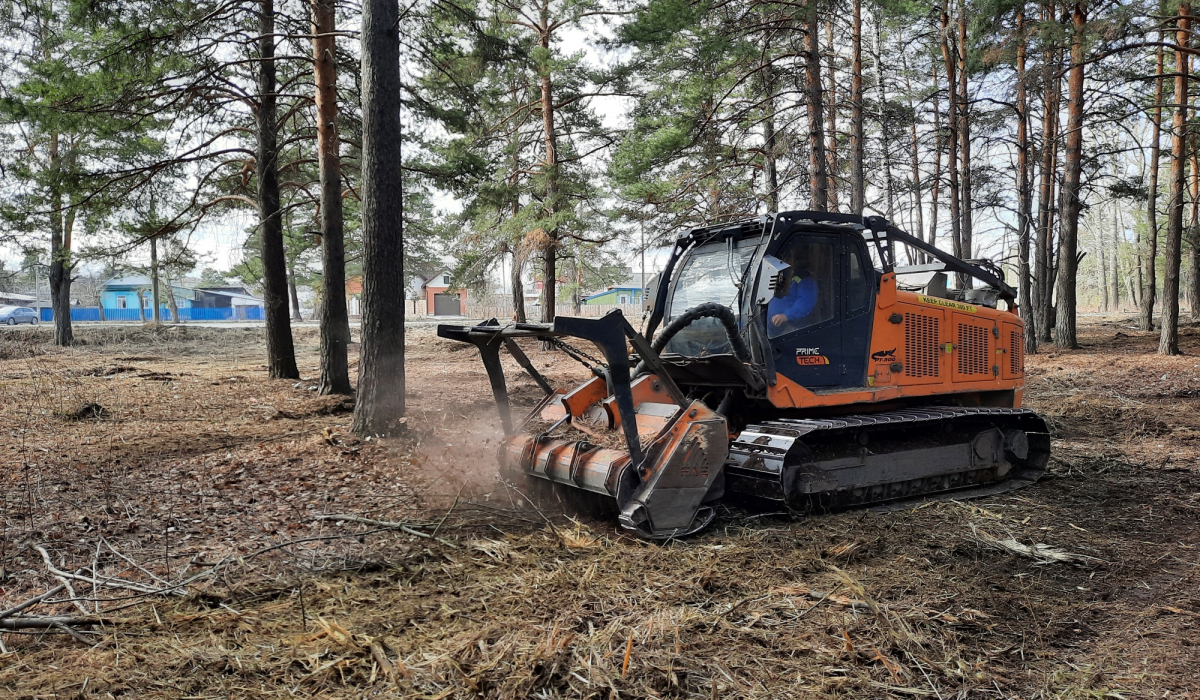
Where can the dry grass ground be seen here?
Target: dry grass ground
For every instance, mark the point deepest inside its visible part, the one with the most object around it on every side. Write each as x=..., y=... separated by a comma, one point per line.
x=195, y=462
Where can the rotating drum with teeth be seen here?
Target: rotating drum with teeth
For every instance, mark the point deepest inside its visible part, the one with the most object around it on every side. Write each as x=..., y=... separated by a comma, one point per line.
x=666, y=496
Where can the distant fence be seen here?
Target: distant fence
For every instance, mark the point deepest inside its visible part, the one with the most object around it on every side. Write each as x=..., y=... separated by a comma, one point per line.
x=504, y=310
x=474, y=309
x=78, y=313
x=92, y=313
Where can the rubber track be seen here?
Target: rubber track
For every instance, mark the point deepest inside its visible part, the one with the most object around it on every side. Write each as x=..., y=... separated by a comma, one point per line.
x=960, y=485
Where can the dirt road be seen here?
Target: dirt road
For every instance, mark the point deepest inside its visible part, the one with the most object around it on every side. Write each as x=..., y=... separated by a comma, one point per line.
x=155, y=457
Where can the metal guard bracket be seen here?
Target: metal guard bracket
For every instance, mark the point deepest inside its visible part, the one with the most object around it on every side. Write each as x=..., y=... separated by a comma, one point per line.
x=609, y=333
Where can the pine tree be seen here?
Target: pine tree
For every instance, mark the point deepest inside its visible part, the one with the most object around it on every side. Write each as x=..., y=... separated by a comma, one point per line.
x=381, y=380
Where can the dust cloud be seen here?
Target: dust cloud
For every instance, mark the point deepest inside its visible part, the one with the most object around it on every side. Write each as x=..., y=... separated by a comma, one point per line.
x=455, y=461
x=455, y=458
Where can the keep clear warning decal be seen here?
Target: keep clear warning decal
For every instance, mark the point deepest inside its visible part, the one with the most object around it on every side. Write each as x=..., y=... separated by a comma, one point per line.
x=810, y=356
x=948, y=304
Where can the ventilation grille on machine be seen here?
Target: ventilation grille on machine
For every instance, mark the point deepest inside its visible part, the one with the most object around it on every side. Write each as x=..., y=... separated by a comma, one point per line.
x=972, y=349
x=920, y=345
x=1015, y=347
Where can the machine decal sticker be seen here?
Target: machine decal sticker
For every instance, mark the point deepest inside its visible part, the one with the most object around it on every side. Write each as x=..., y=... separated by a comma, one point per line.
x=884, y=355
x=948, y=304
x=808, y=357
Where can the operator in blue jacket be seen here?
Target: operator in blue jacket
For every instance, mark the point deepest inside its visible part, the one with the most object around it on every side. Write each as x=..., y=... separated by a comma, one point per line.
x=799, y=302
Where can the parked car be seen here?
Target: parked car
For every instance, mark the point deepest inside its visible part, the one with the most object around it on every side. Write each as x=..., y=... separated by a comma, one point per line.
x=12, y=315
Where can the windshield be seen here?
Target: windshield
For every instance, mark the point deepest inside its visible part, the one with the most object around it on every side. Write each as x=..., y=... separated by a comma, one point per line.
x=7, y=309
x=707, y=275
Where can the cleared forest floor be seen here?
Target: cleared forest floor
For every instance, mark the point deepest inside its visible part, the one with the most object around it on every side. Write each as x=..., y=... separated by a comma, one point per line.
x=152, y=457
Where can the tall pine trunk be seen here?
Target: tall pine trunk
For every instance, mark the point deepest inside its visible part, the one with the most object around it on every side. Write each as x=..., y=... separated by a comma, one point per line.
x=281, y=354
x=857, y=143
x=154, y=293
x=1149, y=253
x=335, y=319
x=952, y=140
x=1116, y=258
x=380, y=405
x=550, y=245
x=770, y=171
x=1169, y=332
x=964, y=134
x=1194, y=268
x=60, y=256
x=831, y=154
x=577, y=294
x=1024, y=192
x=1102, y=268
x=518, y=286
x=1134, y=278
x=293, y=293
x=937, y=161
x=1168, y=340
x=1068, y=237
x=1193, y=229
x=818, y=169
x=518, y=247
x=1190, y=229
x=884, y=135
x=770, y=157
x=1044, y=255
x=172, y=302
x=918, y=203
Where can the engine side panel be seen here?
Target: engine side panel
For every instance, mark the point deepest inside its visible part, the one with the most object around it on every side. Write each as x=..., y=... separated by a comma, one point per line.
x=924, y=347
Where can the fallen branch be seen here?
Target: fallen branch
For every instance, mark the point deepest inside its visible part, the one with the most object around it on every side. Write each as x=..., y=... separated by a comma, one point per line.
x=75, y=596
x=49, y=622
x=1177, y=611
x=78, y=637
x=820, y=596
x=113, y=582
x=822, y=600
x=380, y=656
x=179, y=586
x=31, y=602
x=1038, y=551
x=405, y=527
x=113, y=549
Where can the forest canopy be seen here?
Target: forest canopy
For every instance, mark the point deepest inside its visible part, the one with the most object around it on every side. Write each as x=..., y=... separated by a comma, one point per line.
x=551, y=141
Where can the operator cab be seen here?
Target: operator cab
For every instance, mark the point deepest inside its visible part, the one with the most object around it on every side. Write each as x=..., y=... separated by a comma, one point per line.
x=815, y=328
x=796, y=290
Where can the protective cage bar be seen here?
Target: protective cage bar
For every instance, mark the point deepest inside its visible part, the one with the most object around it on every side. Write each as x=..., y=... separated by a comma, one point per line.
x=882, y=228
x=882, y=233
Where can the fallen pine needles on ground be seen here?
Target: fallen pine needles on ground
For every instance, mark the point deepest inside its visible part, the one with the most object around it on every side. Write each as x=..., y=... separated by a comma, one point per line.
x=226, y=535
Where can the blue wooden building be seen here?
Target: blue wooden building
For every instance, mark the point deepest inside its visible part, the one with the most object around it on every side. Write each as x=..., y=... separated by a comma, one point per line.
x=130, y=299
x=134, y=292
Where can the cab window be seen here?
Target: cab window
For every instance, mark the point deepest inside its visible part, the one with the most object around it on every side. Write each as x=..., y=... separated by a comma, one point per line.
x=810, y=296
x=710, y=274
x=858, y=287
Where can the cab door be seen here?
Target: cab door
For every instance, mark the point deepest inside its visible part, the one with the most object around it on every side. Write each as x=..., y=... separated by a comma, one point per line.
x=806, y=339
x=858, y=306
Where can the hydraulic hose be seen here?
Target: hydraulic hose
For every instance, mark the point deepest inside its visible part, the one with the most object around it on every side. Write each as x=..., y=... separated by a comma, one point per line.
x=707, y=310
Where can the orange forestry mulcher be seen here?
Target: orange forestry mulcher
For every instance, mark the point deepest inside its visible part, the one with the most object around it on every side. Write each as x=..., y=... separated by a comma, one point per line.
x=798, y=364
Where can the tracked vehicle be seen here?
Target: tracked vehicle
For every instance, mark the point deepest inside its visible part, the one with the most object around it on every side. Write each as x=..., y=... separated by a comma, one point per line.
x=798, y=364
